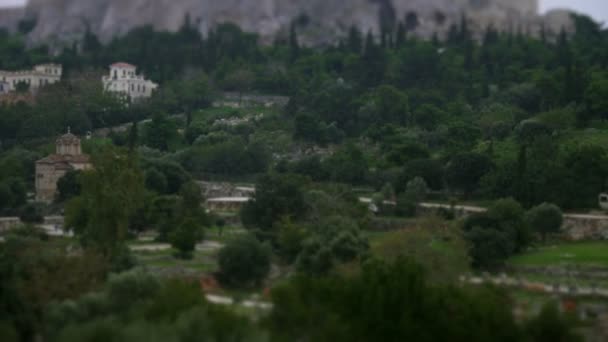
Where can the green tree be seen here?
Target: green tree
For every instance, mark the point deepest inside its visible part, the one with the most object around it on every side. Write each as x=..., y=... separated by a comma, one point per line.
x=240, y=81
x=13, y=193
x=427, y=117
x=596, y=96
x=294, y=45
x=290, y=241
x=160, y=132
x=428, y=169
x=416, y=190
x=355, y=40
x=465, y=171
x=31, y=213
x=586, y=167
x=156, y=181
x=112, y=192
x=528, y=131
x=551, y=326
x=277, y=197
x=490, y=247
x=138, y=306
x=6, y=196
x=185, y=237
x=545, y=219
x=437, y=245
x=133, y=137
x=60, y=274
x=391, y=105
x=188, y=220
x=68, y=186
x=174, y=173
x=193, y=93
x=497, y=234
x=244, y=262
x=334, y=240
x=391, y=302
x=347, y=165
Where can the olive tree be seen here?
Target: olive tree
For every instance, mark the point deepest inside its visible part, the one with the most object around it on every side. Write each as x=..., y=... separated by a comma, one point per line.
x=545, y=219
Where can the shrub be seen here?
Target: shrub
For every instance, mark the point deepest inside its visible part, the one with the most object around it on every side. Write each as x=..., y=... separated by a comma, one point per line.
x=185, y=237
x=545, y=219
x=416, y=190
x=31, y=213
x=336, y=240
x=244, y=262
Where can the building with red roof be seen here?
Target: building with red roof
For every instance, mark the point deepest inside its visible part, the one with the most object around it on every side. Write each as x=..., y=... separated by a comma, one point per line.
x=68, y=157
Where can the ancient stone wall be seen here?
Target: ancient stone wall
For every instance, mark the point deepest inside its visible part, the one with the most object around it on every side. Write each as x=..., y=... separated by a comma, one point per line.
x=576, y=227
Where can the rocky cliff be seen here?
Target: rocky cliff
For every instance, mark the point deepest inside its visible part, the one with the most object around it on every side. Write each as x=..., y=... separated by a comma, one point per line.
x=10, y=17
x=63, y=20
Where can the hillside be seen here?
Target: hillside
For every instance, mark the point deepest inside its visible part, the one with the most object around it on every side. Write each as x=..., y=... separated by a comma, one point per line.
x=321, y=21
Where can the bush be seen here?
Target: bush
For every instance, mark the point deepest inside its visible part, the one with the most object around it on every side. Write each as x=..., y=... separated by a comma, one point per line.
x=185, y=237
x=497, y=234
x=490, y=247
x=335, y=240
x=31, y=213
x=277, y=197
x=396, y=302
x=156, y=181
x=175, y=175
x=464, y=171
x=416, y=190
x=244, y=262
x=550, y=325
x=545, y=219
x=233, y=157
x=430, y=170
x=12, y=193
x=406, y=207
x=68, y=186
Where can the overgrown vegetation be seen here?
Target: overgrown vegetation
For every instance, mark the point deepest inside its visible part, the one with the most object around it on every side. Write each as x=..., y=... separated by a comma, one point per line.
x=371, y=128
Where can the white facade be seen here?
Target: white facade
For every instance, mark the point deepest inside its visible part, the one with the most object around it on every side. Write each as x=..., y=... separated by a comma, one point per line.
x=40, y=76
x=123, y=80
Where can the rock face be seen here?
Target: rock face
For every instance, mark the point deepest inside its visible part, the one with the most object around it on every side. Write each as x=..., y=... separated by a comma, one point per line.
x=10, y=17
x=64, y=20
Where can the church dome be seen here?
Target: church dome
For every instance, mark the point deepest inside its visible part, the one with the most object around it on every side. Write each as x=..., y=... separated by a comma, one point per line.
x=67, y=139
x=68, y=144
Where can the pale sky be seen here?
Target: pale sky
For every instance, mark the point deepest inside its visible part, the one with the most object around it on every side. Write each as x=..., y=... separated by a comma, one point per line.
x=596, y=8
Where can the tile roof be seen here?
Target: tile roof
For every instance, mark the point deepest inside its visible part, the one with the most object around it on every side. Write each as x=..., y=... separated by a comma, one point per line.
x=67, y=139
x=69, y=159
x=123, y=65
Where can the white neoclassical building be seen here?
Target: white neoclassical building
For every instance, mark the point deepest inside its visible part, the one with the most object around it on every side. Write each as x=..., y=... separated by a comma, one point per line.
x=125, y=81
x=39, y=76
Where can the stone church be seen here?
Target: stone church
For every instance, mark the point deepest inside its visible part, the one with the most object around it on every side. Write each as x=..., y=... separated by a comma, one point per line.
x=68, y=157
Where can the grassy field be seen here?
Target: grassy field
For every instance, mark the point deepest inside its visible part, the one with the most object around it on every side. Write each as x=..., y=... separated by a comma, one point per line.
x=202, y=261
x=587, y=254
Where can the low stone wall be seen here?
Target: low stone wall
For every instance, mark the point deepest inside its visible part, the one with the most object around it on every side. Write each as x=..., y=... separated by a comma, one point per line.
x=7, y=223
x=236, y=100
x=576, y=227
x=586, y=227
x=224, y=189
x=52, y=224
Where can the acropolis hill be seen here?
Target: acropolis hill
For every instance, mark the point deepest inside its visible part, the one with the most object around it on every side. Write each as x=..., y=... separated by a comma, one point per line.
x=61, y=20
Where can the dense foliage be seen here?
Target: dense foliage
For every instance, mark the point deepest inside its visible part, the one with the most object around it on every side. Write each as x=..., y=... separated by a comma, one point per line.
x=244, y=262
x=502, y=116
x=395, y=302
x=369, y=129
